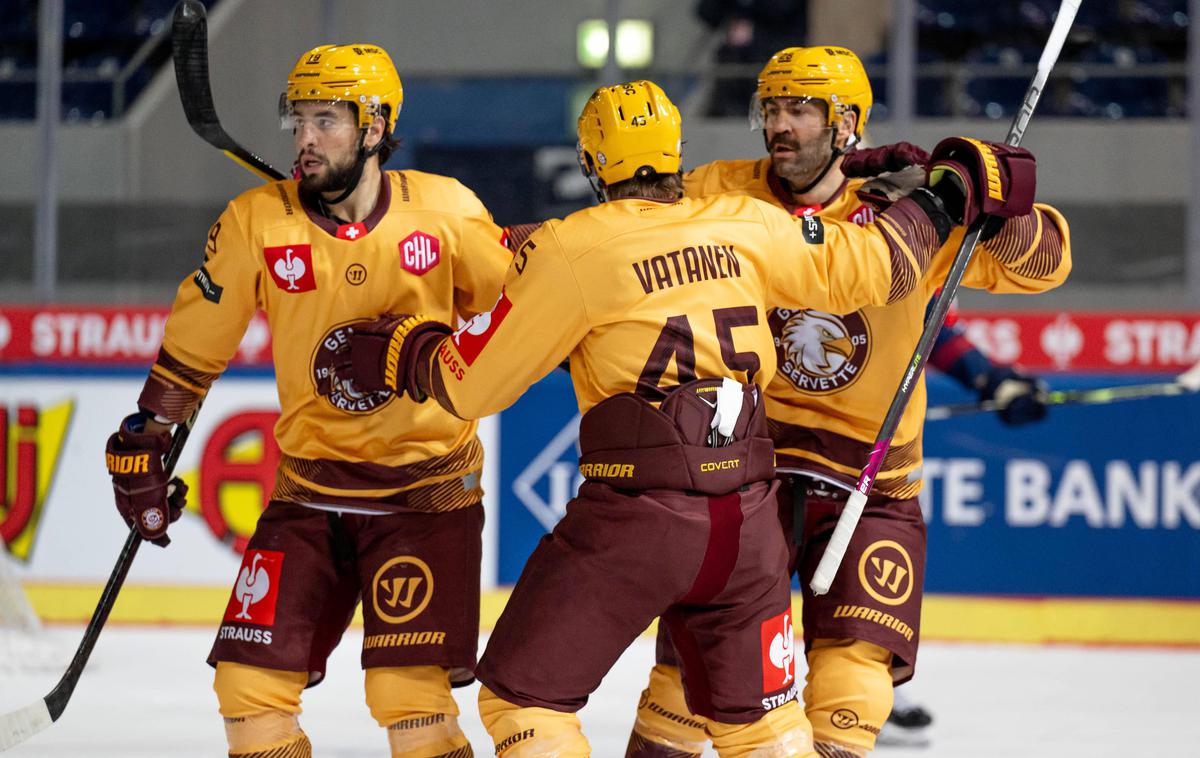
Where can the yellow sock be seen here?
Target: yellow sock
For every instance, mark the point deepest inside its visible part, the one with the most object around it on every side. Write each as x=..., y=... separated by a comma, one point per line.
x=848, y=695
x=664, y=725
x=531, y=732
x=415, y=705
x=782, y=733
x=260, y=708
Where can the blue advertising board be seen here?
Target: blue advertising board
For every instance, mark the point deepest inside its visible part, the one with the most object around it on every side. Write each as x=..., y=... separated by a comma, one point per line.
x=1096, y=500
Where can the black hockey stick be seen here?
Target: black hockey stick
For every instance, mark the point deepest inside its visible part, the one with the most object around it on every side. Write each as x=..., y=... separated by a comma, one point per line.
x=189, y=48
x=1185, y=384
x=20, y=725
x=835, y=550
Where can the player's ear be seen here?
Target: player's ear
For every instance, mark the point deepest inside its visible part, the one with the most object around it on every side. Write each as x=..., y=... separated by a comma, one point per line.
x=846, y=127
x=375, y=132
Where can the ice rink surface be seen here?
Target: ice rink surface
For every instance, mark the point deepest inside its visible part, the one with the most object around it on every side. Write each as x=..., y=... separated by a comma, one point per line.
x=148, y=693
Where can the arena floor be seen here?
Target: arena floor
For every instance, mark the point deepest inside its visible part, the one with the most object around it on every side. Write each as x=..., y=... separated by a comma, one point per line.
x=148, y=694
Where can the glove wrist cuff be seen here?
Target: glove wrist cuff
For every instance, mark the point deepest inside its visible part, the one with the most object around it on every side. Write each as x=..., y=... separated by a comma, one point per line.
x=391, y=366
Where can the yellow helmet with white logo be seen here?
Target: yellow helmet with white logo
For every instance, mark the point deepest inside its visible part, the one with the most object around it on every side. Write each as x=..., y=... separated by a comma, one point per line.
x=362, y=75
x=629, y=130
x=833, y=75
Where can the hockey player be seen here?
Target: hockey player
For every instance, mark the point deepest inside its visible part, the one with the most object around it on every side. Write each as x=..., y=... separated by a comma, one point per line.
x=837, y=375
x=376, y=496
x=659, y=301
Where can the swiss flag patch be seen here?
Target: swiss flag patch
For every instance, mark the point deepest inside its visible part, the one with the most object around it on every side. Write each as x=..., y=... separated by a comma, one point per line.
x=351, y=231
x=256, y=588
x=474, y=335
x=291, y=267
x=778, y=653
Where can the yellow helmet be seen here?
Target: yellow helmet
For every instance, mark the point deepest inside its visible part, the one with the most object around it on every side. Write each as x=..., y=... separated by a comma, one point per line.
x=833, y=75
x=629, y=130
x=359, y=74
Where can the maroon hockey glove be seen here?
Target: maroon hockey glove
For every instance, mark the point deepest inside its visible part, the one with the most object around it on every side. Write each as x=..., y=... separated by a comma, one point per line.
x=144, y=496
x=383, y=354
x=987, y=178
x=873, y=161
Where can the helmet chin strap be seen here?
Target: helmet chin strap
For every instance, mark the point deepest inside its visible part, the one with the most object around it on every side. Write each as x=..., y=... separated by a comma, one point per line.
x=359, y=163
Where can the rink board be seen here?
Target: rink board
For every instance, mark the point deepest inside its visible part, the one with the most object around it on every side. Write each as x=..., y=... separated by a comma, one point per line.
x=1081, y=528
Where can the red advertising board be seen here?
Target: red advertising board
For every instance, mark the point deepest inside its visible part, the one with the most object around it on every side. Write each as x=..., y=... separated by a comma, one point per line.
x=109, y=335
x=1062, y=341
x=1038, y=340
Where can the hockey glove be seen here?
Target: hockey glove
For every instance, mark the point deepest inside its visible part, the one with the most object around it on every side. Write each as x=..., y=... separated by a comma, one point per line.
x=382, y=354
x=973, y=177
x=1019, y=398
x=144, y=495
x=884, y=159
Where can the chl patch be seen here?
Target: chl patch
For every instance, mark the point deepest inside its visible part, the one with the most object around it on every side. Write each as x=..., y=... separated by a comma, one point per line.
x=778, y=653
x=813, y=229
x=474, y=334
x=291, y=267
x=420, y=252
x=210, y=289
x=256, y=589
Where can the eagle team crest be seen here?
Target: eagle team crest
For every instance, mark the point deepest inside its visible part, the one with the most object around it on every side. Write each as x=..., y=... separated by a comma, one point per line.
x=818, y=352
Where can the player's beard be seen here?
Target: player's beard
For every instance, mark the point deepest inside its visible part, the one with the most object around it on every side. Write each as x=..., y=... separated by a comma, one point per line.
x=806, y=161
x=334, y=179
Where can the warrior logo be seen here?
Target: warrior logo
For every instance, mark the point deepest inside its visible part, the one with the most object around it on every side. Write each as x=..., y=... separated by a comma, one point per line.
x=256, y=589
x=819, y=352
x=885, y=571
x=331, y=367
x=402, y=589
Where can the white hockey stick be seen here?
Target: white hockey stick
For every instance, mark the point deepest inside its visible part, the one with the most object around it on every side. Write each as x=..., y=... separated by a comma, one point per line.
x=835, y=550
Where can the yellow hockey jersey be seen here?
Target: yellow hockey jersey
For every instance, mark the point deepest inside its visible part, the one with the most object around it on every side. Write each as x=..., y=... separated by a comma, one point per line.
x=428, y=246
x=643, y=295
x=838, y=370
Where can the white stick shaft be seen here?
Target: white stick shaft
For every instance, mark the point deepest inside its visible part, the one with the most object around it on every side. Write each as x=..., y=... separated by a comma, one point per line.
x=18, y=726
x=839, y=541
x=1058, y=35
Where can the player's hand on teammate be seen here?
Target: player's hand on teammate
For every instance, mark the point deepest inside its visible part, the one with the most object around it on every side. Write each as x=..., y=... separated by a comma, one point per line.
x=873, y=161
x=382, y=354
x=145, y=497
x=974, y=177
x=1020, y=398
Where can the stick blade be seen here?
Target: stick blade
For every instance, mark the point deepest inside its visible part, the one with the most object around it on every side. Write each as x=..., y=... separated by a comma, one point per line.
x=189, y=50
x=20, y=725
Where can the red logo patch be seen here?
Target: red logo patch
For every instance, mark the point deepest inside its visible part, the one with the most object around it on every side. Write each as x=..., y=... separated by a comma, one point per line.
x=778, y=653
x=474, y=334
x=291, y=267
x=256, y=589
x=420, y=252
x=351, y=231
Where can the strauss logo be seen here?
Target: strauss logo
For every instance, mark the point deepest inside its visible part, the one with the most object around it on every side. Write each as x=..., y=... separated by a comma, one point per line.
x=783, y=649
x=253, y=584
x=290, y=268
x=817, y=342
